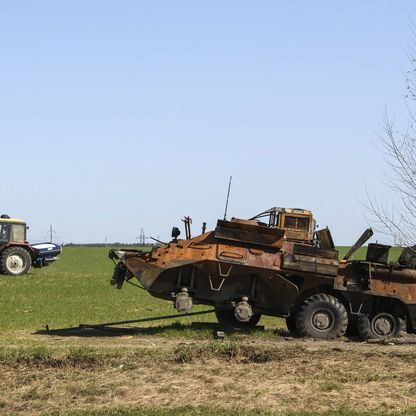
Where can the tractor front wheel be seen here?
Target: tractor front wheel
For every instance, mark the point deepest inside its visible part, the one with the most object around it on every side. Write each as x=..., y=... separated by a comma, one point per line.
x=15, y=261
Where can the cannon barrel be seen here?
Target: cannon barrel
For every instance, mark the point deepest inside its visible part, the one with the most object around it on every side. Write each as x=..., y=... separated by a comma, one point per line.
x=365, y=236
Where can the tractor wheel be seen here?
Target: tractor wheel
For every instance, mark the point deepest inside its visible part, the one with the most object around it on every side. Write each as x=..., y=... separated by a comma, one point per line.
x=322, y=316
x=227, y=317
x=382, y=325
x=291, y=324
x=15, y=261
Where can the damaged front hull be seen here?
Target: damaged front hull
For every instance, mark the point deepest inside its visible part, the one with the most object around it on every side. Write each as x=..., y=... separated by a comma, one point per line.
x=220, y=273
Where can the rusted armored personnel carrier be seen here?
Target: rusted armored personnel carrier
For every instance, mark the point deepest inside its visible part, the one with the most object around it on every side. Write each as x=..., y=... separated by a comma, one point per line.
x=277, y=264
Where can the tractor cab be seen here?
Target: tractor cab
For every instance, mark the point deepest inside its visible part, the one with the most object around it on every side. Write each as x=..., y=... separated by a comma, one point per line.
x=299, y=224
x=12, y=230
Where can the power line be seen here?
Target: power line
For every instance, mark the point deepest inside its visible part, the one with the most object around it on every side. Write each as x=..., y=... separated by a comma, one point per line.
x=51, y=234
x=141, y=237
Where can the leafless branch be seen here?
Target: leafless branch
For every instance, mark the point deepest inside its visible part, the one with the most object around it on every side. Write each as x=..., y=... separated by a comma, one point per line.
x=399, y=150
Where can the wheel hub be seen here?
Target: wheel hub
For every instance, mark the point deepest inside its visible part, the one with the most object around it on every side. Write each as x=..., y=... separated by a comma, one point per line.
x=243, y=311
x=383, y=325
x=15, y=263
x=322, y=320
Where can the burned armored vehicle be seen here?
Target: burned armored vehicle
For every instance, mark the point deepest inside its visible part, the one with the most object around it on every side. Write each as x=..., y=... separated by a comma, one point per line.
x=276, y=264
x=246, y=268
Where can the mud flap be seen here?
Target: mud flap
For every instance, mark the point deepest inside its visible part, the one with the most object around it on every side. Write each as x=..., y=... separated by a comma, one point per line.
x=119, y=275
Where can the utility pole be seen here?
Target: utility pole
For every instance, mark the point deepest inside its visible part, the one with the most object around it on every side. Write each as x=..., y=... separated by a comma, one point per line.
x=51, y=234
x=141, y=237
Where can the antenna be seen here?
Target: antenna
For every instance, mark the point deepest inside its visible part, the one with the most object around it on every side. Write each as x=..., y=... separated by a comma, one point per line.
x=228, y=195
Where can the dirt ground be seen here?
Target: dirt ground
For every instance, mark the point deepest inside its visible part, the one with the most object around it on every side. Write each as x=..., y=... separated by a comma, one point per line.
x=250, y=372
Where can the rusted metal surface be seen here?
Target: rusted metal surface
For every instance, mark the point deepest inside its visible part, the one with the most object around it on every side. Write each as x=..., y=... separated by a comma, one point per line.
x=378, y=280
x=249, y=232
x=240, y=259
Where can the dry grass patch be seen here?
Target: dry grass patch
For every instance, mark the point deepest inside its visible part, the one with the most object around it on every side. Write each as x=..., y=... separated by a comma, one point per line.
x=286, y=377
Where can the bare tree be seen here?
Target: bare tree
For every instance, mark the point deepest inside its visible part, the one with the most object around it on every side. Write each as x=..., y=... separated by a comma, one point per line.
x=399, y=149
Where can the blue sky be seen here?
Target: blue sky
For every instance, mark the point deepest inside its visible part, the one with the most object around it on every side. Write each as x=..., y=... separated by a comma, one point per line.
x=116, y=115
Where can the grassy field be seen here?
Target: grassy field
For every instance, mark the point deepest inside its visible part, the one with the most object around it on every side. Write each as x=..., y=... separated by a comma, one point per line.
x=175, y=368
x=74, y=289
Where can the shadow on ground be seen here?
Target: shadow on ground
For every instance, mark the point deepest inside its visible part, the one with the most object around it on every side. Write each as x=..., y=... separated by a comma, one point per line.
x=95, y=330
x=217, y=330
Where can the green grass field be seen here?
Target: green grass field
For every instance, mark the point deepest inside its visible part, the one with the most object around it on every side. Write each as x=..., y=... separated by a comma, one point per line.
x=361, y=252
x=73, y=290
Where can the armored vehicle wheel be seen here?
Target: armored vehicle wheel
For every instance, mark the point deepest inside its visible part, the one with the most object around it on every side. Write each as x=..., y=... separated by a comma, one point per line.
x=322, y=316
x=15, y=261
x=227, y=317
x=352, y=329
x=381, y=325
x=291, y=324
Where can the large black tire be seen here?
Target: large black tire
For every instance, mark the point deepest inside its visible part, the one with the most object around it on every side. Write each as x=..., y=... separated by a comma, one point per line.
x=227, y=317
x=15, y=261
x=381, y=325
x=322, y=316
x=291, y=324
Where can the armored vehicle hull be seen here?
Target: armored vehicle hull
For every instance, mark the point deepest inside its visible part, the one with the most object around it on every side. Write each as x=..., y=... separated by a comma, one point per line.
x=244, y=268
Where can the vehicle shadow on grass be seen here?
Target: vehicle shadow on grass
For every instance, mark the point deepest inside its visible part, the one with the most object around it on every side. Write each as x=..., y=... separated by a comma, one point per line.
x=195, y=330
x=198, y=330
x=175, y=329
